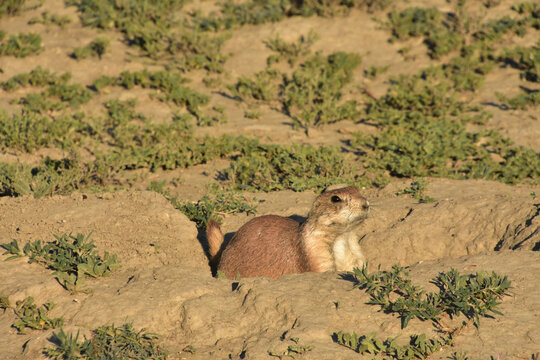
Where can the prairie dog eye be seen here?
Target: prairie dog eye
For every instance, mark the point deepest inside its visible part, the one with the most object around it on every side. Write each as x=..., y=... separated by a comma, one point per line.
x=335, y=199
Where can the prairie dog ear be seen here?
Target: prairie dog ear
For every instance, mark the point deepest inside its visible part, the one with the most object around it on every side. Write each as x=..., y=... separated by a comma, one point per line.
x=336, y=187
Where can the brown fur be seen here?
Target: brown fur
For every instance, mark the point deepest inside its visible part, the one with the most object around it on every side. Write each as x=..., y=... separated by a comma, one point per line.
x=272, y=245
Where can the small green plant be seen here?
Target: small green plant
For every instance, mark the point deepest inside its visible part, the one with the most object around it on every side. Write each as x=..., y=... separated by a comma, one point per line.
x=252, y=114
x=11, y=7
x=290, y=52
x=20, y=45
x=418, y=347
x=526, y=59
x=67, y=347
x=72, y=258
x=30, y=316
x=96, y=48
x=416, y=190
x=154, y=28
x=295, y=167
x=261, y=87
x=472, y=295
x=438, y=143
x=439, y=30
x=47, y=19
x=373, y=71
x=213, y=206
x=170, y=87
x=469, y=295
x=107, y=342
x=58, y=93
x=313, y=94
x=293, y=351
x=523, y=101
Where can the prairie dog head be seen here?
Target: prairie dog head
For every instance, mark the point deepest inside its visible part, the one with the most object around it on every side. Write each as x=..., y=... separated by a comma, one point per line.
x=339, y=208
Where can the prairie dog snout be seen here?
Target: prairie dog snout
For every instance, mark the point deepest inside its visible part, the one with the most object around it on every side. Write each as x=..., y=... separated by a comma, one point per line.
x=272, y=245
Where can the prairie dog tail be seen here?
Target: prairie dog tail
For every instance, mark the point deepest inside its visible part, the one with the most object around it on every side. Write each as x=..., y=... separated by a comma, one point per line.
x=215, y=239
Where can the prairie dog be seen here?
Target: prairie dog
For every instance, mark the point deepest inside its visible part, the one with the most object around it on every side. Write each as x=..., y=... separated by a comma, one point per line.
x=273, y=245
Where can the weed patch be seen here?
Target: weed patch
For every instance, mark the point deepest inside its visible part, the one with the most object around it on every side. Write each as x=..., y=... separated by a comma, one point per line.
x=439, y=30
x=107, y=342
x=523, y=101
x=96, y=48
x=254, y=12
x=293, y=351
x=50, y=19
x=471, y=296
x=11, y=7
x=312, y=95
x=210, y=207
x=290, y=52
x=437, y=143
x=72, y=258
x=294, y=167
x=169, y=84
x=20, y=45
x=153, y=28
x=57, y=95
x=416, y=190
x=30, y=316
x=526, y=59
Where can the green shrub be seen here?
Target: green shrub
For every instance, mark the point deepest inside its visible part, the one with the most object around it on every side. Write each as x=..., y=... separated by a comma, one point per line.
x=295, y=167
x=47, y=19
x=526, y=59
x=290, y=52
x=523, y=101
x=423, y=133
x=29, y=316
x=11, y=7
x=72, y=258
x=313, y=93
x=20, y=45
x=107, y=342
x=214, y=206
x=96, y=48
x=471, y=296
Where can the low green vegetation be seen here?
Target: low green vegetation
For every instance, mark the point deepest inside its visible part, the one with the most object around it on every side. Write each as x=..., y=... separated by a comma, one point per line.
x=47, y=18
x=522, y=101
x=153, y=27
x=73, y=259
x=293, y=351
x=58, y=94
x=526, y=59
x=20, y=45
x=209, y=207
x=374, y=71
x=295, y=167
x=441, y=31
x=96, y=48
x=171, y=89
x=290, y=52
x=11, y=7
x=416, y=190
x=469, y=296
x=30, y=316
x=107, y=342
x=437, y=142
x=254, y=12
x=313, y=94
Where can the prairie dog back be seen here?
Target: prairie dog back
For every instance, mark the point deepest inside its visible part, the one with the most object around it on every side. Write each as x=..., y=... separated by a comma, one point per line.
x=273, y=245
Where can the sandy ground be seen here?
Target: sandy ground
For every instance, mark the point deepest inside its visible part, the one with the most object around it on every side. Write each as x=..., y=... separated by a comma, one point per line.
x=165, y=284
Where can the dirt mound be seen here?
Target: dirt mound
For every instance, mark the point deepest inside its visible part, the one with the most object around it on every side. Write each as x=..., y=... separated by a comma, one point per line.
x=165, y=284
